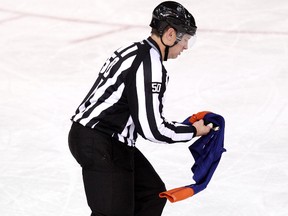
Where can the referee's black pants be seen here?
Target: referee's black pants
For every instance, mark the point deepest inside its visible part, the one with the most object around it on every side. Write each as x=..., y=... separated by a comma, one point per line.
x=118, y=179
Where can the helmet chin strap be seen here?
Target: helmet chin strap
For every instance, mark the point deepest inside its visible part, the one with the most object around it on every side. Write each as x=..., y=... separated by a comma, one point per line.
x=166, y=51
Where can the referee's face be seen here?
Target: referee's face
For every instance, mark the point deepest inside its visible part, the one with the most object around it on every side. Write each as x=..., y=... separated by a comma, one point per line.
x=177, y=49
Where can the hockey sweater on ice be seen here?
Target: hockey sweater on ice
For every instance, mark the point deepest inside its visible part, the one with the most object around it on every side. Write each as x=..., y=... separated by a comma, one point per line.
x=207, y=152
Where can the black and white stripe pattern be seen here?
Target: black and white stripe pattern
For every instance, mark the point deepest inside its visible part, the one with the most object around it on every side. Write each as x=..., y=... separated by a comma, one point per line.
x=127, y=98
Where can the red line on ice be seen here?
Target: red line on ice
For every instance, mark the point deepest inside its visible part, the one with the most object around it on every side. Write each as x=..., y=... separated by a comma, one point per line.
x=11, y=19
x=122, y=27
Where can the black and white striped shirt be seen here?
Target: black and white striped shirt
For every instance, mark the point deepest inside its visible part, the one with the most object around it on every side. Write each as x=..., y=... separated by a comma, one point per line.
x=127, y=98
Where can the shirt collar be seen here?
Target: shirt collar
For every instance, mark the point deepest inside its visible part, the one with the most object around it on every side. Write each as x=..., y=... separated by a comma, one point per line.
x=154, y=45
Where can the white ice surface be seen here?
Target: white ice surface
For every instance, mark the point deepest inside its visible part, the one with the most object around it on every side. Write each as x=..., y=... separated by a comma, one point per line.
x=50, y=54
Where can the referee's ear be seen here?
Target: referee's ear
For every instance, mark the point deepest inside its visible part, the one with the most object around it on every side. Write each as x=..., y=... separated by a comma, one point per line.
x=169, y=36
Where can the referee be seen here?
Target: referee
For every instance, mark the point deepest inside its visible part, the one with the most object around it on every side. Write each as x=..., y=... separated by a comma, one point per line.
x=126, y=100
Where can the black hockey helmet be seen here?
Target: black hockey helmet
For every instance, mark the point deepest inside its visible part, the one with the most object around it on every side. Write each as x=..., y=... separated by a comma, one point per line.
x=170, y=13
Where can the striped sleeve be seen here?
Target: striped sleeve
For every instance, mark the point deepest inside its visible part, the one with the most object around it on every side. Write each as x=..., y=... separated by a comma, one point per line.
x=151, y=80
